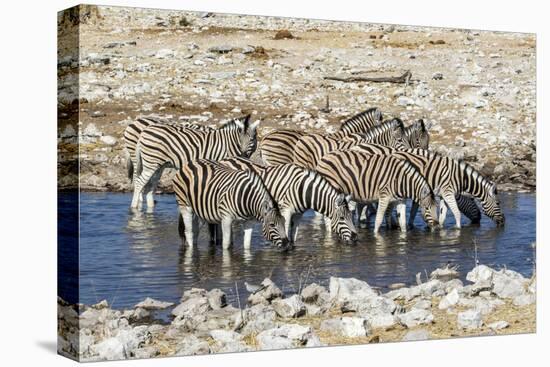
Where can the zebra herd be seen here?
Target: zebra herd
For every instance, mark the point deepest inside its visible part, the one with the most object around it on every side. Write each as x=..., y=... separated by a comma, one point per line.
x=370, y=165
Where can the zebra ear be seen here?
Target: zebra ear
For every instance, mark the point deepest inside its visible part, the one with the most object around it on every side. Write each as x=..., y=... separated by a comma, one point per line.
x=340, y=199
x=427, y=125
x=253, y=126
x=242, y=122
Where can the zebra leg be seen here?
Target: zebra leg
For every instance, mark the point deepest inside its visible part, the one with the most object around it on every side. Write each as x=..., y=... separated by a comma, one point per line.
x=442, y=212
x=412, y=214
x=328, y=225
x=390, y=220
x=188, y=222
x=382, y=206
x=402, y=216
x=451, y=202
x=151, y=188
x=139, y=185
x=247, y=238
x=226, y=232
x=294, y=227
x=287, y=215
x=214, y=232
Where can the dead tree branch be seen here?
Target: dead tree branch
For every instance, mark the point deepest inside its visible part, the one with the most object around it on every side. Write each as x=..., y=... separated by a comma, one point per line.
x=405, y=78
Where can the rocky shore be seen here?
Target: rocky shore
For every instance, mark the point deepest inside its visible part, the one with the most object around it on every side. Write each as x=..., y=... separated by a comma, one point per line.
x=348, y=312
x=475, y=88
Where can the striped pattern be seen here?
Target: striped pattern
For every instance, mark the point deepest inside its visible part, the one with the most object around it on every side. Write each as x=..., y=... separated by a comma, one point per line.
x=296, y=190
x=216, y=194
x=311, y=148
x=277, y=147
x=417, y=135
x=133, y=131
x=378, y=177
x=161, y=146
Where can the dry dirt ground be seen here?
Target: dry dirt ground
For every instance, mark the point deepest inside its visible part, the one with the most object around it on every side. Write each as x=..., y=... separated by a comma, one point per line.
x=475, y=88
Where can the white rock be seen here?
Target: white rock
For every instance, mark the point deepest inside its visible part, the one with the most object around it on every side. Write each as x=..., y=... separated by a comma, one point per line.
x=415, y=317
x=108, y=140
x=416, y=335
x=350, y=289
x=165, y=53
x=525, y=299
x=225, y=336
x=470, y=319
x=152, y=304
x=498, y=325
x=347, y=326
x=289, y=307
x=284, y=336
x=449, y=300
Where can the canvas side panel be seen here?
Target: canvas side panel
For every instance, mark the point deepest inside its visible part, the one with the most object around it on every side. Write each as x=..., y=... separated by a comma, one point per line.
x=67, y=182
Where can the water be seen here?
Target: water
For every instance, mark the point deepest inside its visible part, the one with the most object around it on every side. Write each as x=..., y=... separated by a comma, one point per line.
x=125, y=258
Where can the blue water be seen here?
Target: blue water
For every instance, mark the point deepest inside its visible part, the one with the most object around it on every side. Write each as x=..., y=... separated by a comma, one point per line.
x=126, y=257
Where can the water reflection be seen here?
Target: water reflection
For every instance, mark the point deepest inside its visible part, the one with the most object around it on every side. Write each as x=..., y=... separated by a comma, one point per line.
x=128, y=256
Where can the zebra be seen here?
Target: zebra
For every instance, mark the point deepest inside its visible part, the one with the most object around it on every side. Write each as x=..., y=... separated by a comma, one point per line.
x=161, y=146
x=379, y=177
x=467, y=206
x=448, y=178
x=296, y=190
x=216, y=194
x=133, y=131
x=311, y=148
x=417, y=135
x=277, y=147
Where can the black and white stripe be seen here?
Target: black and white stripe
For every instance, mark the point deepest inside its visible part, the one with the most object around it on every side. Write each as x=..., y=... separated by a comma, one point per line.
x=277, y=147
x=296, y=190
x=311, y=148
x=379, y=177
x=161, y=146
x=417, y=135
x=217, y=194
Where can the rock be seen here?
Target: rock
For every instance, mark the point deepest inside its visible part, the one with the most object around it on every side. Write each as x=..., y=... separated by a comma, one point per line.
x=449, y=300
x=223, y=75
x=437, y=76
x=350, y=327
x=314, y=292
x=415, y=317
x=152, y=304
x=190, y=345
x=405, y=294
x=284, y=336
x=192, y=306
x=378, y=305
x=123, y=344
x=289, y=307
x=416, y=335
x=423, y=304
x=146, y=352
x=225, y=336
x=481, y=286
x=283, y=34
x=485, y=306
x=164, y=53
x=248, y=50
x=216, y=299
x=68, y=132
x=453, y=284
x=431, y=287
x=508, y=284
x=222, y=49
x=256, y=319
x=524, y=299
x=470, y=320
x=269, y=291
x=349, y=290
x=445, y=274
x=405, y=101
x=397, y=285
x=498, y=325
x=92, y=131
x=108, y=140
x=380, y=320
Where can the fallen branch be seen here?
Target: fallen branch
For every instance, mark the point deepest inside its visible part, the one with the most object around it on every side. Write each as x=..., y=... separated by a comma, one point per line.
x=405, y=78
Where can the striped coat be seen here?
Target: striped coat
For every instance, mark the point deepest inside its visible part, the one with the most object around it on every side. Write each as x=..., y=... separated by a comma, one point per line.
x=216, y=194
x=379, y=177
x=297, y=190
x=161, y=146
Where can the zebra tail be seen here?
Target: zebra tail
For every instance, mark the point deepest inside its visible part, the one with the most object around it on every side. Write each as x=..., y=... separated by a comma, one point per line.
x=130, y=169
x=181, y=226
x=139, y=166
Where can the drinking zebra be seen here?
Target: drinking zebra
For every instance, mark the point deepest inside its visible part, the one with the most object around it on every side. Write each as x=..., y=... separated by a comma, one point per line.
x=379, y=177
x=449, y=178
x=216, y=194
x=311, y=148
x=161, y=146
x=277, y=147
x=133, y=131
x=296, y=190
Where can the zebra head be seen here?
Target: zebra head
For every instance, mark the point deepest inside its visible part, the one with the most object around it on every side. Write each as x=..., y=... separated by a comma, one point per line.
x=418, y=135
x=398, y=138
x=248, y=136
x=428, y=205
x=362, y=122
x=342, y=221
x=273, y=225
x=491, y=205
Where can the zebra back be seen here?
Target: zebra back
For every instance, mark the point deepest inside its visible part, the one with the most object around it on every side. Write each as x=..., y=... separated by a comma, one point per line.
x=277, y=147
x=360, y=123
x=390, y=133
x=417, y=135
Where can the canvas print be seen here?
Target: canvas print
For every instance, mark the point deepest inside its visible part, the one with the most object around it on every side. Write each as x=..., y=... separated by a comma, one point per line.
x=235, y=183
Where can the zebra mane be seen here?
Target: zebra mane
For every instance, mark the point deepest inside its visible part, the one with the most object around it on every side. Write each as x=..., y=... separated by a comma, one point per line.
x=361, y=116
x=257, y=178
x=416, y=126
x=241, y=123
